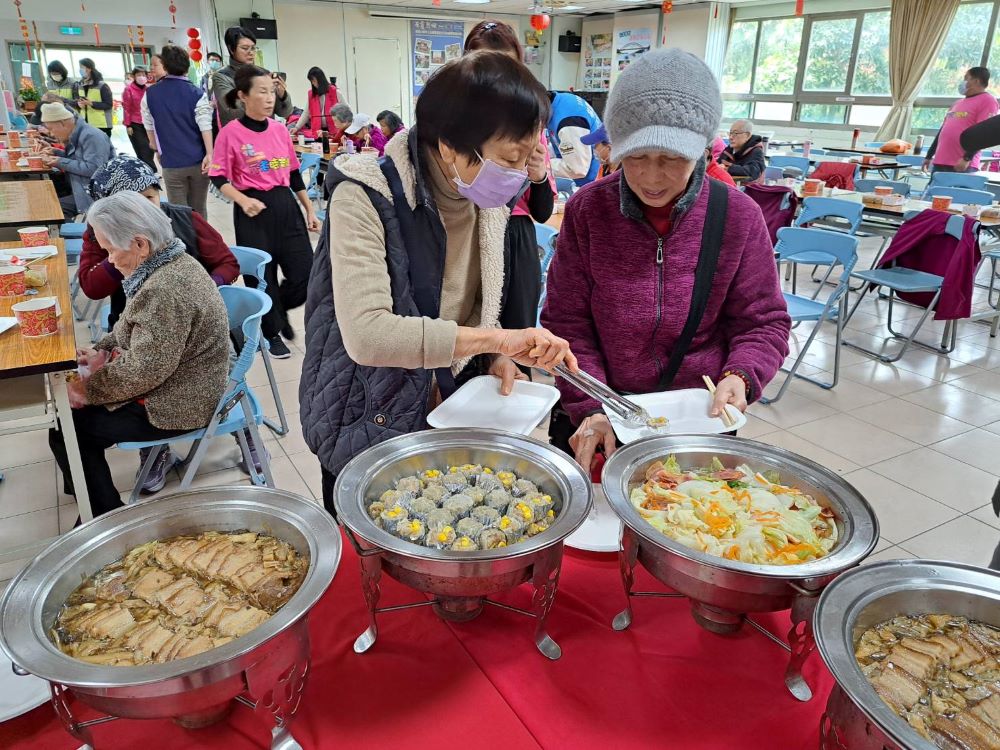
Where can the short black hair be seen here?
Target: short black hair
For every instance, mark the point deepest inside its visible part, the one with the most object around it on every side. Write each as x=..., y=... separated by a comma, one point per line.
x=481, y=95
x=390, y=119
x=243, y=82
x=216, y=55
x=322, y=82
x=175, y=60
x=981, y=74
x=57, y=67
x=234, y=34
x=139, y=69
x=95, y=74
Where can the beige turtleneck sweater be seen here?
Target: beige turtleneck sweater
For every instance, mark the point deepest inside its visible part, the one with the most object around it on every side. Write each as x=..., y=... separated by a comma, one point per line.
x=373, y=334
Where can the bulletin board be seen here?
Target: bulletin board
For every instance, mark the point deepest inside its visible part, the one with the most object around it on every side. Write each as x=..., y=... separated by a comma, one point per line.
x=434, y=43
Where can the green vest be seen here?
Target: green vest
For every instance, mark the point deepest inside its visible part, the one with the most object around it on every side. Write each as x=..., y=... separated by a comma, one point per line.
x=99, y=118
x=65, y=91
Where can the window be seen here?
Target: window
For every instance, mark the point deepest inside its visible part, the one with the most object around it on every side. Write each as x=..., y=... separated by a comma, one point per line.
x=778, y=56
x=739, y=62
x=871, y=68
x=869, y=115
x=781, y=111
x=928, y=118
x=829, y=57
x=734, y=110
x=962, y=49
x=833, y=114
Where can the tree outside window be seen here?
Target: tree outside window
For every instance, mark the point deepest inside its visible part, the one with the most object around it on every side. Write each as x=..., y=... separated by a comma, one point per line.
x=962, y=49
x=778, y=57
x=871, y=69
x=829, y=56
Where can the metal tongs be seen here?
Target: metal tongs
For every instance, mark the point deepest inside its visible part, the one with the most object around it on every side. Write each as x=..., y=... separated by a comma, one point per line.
x=629, y=412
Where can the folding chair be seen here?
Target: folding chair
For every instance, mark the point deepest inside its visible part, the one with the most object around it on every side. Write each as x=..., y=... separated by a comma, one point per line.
x=909, y=281
x=957, y=180
x=774, y=173
x=545, y=237
x=565, y=186
x=839, y=250
x=868, y=186
x=252, y=263
x=812, y=151
x=800, y=163
x=960, y=195
x=311, y=163
x=236, y=411
x=823, y=210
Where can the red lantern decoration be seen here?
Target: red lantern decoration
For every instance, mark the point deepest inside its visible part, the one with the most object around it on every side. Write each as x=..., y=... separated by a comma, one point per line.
x=173, y=15
x=97, y=35
x=194, y=44
x=799, y=7
x=667, y=7
x=193, y=33
x=540, y=21
x=196, y=55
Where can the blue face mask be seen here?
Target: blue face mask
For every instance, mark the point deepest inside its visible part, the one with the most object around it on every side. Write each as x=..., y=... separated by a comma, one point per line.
x=83, y=72
x=963, y=87
x=214, y=64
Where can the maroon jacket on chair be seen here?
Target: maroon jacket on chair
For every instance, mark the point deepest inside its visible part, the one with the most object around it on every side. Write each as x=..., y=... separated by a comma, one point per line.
x=778, y=204
x=622, y=311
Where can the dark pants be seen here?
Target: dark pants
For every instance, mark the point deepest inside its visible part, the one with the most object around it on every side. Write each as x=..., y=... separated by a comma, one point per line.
x=97, y=429
x=525, y=288
x=281, y=231
x=140, y=142
x=328, y=480
x=947, y=168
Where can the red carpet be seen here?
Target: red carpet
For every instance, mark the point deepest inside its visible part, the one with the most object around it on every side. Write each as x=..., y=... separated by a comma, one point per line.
x=664, y=683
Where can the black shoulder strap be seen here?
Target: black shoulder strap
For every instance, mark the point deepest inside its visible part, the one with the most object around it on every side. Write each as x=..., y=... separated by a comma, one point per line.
x=708, y=260
x=421, y=283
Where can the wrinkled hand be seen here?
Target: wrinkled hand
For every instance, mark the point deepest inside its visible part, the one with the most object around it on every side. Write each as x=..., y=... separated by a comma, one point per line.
x=312, y=222
x=92, y=359
x=536, y=164
x=961, y=165
x=593, y=432
x=251, y=207
x=505, y=369
x=50, y=160
x=76, y=390
x=206, y=164
x=730, y=390
x=536, y=347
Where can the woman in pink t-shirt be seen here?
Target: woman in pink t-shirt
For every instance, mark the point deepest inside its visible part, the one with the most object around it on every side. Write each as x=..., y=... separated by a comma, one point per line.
x=254, y=164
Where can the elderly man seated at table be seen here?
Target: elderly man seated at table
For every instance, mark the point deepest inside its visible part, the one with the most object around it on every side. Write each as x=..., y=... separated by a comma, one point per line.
x=164, y=366
x=744, y=156
x=87, y=149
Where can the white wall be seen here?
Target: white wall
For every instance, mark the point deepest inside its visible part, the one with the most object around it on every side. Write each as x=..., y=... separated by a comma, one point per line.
x=687, y=28
x=229, y=12
x=562, y=65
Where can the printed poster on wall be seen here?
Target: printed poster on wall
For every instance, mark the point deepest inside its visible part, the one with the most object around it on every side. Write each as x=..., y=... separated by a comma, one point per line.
x=434, y=44
x=597, y=62
x=630, y=44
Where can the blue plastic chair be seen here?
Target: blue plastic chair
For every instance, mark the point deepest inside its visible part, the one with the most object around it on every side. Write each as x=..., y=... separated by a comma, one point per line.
x=908, y=280
x=72, y=230
x=824, y=210
x=545, y=237
x=311, y=163
x=252, y=263
x=774, y=173
x=957, y=180
x=800, y=163
x=839, y=250
x=565, y=186
x=960, y=195
x=236, y=411
x=868, y=186
x=813, y=151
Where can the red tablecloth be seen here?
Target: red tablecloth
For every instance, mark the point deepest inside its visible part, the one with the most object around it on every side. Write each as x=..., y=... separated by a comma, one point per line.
x=663, y=683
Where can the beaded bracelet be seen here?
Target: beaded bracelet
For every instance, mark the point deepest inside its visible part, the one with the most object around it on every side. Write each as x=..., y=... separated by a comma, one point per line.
x=742, y=376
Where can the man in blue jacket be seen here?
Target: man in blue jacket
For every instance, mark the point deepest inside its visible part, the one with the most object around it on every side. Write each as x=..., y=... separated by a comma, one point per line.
x=570, y=120
x=87, y=150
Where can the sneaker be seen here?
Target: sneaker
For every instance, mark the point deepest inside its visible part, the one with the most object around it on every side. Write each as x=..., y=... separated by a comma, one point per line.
x=254, y=453
x=288, y=332
x=278, y=348
x=157, y=476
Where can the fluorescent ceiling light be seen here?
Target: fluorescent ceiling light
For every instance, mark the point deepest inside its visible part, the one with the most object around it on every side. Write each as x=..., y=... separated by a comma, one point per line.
x=569, y=8
x=472, y=2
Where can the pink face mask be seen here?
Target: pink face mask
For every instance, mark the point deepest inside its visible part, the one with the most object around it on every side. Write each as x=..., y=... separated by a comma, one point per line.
x=141, y=80
x=494, y=186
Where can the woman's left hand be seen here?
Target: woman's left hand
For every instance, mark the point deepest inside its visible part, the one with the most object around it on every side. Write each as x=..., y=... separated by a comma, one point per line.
x=730, y=390
x=206, y=164
x=312, y=222
x=76, y=390
x=505, y=369
x=536, y=164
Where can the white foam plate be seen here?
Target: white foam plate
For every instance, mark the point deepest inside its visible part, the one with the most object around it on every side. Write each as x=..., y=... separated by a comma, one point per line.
x=29, y=253
x=601, y=530
x=18, y=695
x=687, y=409
x=478, y=403
x=7, y=323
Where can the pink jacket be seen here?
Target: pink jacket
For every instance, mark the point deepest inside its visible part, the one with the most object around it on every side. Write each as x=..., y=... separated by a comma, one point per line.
x=131, y=103
x=622, y=309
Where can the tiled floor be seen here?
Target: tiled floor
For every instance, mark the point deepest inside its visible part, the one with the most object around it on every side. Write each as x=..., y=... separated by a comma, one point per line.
x=920, y=439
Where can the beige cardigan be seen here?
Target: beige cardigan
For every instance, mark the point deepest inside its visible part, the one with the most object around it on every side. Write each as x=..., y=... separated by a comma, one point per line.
x=172, y=341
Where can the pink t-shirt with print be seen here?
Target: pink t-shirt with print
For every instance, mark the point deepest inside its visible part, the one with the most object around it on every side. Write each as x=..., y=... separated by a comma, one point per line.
x=254, y=161
x=963, y=114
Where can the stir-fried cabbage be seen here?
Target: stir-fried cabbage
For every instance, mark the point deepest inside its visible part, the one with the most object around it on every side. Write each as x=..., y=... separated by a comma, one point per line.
x=737, y=513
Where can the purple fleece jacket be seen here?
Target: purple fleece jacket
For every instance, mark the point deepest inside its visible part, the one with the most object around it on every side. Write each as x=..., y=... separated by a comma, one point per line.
x=622, y=311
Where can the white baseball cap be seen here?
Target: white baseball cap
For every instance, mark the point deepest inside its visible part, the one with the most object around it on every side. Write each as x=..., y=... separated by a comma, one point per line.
x=360, y=121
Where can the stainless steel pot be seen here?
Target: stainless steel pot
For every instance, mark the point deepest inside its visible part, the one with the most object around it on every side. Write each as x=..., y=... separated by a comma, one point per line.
x=856, y=718
x=723, y=591
x=461, y=581
x=265, y=668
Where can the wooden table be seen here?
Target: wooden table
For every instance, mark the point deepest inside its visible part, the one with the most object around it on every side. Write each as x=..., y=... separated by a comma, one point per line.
x=24, y=203
x=898, y=212
x=10, y=170
x=50, y=357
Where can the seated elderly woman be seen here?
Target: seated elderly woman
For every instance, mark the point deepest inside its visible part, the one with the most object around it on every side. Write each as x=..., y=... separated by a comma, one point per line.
x=164, y=366
x=663, y=276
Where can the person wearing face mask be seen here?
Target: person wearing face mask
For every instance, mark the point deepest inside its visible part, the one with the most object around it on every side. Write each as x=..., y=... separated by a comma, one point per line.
x=662, y=276
x=132, y=98
x=242, y=46
x=93, y=97
x=254, y=164
x=946, y=154
x=214, y=60
x=408, y=282
x=59, y=83
x=744, y=156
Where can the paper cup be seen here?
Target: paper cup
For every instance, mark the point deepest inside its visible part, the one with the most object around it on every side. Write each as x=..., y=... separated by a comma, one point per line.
x=11, y=281
x=14, y=139
x=812, y=187
x=35, y=162
x=34, y=236
x=370, y=151
x=15, y=154
x=971, y=210
x=941, y=202
x=883, y=190
x=37, y=317
x=866, y=159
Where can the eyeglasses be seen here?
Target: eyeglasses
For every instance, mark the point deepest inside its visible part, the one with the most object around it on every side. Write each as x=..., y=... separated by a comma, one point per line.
x=243, y=48
x=738, y=132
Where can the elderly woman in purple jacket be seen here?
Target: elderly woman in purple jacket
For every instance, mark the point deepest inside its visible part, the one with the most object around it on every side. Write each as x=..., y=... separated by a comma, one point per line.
x=662, y=275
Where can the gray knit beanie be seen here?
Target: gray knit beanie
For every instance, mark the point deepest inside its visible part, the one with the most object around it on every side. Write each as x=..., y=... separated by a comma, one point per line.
x=667, y=100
